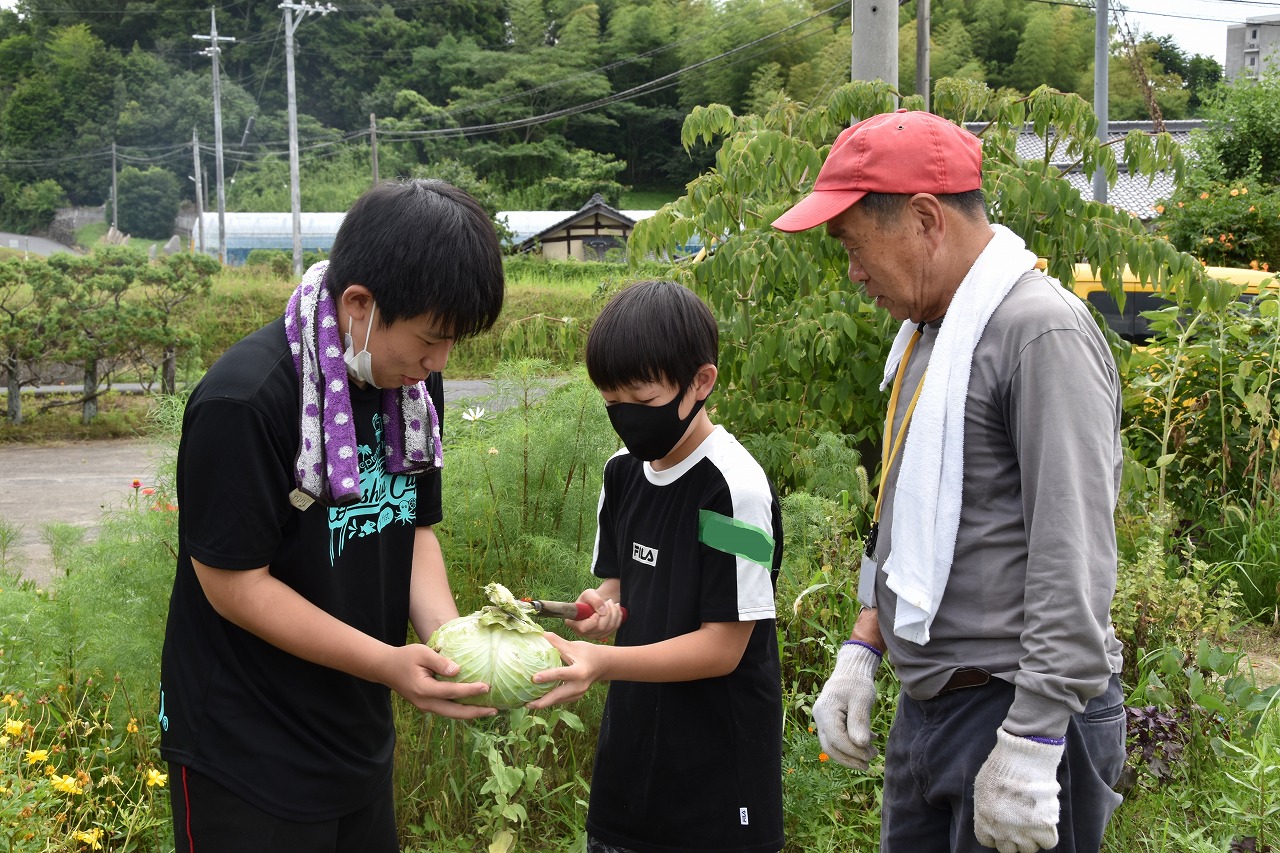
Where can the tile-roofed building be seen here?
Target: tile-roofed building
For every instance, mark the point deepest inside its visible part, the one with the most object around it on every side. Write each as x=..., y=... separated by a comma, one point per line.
x=584, y=234
x=1134, y=193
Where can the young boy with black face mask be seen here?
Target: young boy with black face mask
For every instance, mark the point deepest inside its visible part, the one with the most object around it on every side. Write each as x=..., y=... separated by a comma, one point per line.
x=688, y=547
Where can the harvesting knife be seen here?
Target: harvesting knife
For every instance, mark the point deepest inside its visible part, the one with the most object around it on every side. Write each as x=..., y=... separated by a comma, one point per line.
x=576, y=610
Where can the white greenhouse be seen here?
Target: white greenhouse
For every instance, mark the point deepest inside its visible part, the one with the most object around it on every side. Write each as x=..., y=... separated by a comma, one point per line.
x=249, y=231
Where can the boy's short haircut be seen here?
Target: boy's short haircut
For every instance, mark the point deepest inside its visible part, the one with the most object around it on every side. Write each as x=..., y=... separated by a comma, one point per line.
x=652, y=331
x=421, y=246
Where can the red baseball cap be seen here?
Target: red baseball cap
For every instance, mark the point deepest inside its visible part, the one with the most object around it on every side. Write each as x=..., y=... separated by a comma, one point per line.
x=905, y=152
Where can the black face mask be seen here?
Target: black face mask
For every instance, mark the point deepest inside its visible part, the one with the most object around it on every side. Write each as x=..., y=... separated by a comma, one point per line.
x=651, y=432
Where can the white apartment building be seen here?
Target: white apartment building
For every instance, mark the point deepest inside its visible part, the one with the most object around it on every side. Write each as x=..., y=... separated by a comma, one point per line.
x=1251, y=45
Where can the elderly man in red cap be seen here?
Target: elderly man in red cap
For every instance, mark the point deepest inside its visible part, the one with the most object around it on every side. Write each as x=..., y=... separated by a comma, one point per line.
x=990, y=565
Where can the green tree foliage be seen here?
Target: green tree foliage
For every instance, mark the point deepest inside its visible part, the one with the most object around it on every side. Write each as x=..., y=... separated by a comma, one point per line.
x=513, y=89
x=1128, y=101
x=66, y=105
x=708, y=30
x=1227, y=211
x=89, y=320
x=19, y=327
x=28, y=208
x=148, y=202
x=1056, y=43
x=104, y=311
x=165, y=285
x=1199, y=73
x=816, y=344
x=1240, y=135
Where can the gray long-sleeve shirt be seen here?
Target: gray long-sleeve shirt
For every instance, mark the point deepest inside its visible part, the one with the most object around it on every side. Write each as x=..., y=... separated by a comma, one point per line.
x=1030, y=589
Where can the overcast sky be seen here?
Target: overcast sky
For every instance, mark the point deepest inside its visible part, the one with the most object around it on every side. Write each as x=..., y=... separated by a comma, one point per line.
x=1198, y=26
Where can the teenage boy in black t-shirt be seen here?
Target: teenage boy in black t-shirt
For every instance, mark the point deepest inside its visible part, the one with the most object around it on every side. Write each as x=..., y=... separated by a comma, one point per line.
x=689, y=542
x=308, y=483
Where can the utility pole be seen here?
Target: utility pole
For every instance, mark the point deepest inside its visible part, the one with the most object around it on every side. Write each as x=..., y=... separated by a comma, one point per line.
x=922, y=50
x=115, y=191
x=875, y=41
x=1101, y=89
x=373, y=145
x=195, y=176
x=213, y=50
x=295, y=193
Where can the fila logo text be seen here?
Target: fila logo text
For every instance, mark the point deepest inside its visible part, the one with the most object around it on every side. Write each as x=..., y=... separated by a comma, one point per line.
x=644, y=554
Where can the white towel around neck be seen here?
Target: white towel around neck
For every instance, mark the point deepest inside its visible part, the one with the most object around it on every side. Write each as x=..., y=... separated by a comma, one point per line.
x=926, y=503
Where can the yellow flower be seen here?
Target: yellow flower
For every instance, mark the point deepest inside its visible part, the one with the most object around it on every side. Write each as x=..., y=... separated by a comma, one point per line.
x=1159, y=208
x=15, y=727
x=66, y=784
x=35, y=756
x=493, y=451
x=822, y=756
x=91, y=837
x=4, y=741
x=156, y=778
x=132, y=728
x=1244, y=190
x=1235, y=192
x=1204, y=195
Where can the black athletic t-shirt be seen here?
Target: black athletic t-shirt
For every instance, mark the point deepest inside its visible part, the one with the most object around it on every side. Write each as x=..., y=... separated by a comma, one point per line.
x=299, y=740
x=693, y=765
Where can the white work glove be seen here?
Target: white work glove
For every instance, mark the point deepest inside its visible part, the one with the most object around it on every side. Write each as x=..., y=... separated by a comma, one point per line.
x=843, y=710
x=1015, y=795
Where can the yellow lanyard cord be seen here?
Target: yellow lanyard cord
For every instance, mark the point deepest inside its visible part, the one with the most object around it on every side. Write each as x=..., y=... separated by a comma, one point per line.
x=891, y=449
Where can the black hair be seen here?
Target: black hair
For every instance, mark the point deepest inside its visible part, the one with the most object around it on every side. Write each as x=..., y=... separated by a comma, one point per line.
x=883, y=206
x=652, y=331
x=421, y=246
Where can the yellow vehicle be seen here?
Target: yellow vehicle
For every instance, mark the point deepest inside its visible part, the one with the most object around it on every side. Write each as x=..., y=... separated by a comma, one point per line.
x=1129, y=323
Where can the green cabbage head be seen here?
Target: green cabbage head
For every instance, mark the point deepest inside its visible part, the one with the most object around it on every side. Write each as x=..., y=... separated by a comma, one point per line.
x=501, y=645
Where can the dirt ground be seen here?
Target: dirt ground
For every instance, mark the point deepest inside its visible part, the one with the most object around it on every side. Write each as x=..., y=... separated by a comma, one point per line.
x=73, y=483
x=1262, y=646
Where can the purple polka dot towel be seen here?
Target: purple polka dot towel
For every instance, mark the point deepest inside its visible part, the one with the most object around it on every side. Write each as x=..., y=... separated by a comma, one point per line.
x=328, y=466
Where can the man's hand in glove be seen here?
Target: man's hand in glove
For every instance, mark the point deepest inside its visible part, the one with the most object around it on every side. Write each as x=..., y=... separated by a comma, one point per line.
x=843, y=710
x=1015, y=795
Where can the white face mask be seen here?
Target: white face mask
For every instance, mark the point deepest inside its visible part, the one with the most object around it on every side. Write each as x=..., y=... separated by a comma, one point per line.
x=360, y=364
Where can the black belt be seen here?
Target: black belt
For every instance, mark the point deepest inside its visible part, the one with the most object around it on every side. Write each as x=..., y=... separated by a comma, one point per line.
x=965, y=676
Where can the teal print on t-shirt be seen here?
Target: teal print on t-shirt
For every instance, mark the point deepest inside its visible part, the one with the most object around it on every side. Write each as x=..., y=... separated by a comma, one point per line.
x=384, y=499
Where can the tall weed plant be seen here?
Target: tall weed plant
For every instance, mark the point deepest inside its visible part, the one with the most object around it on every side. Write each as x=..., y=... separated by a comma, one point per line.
x=1201, y=417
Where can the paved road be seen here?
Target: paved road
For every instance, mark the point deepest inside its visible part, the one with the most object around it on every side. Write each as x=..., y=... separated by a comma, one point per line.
x=75, y=482
x=34, y=245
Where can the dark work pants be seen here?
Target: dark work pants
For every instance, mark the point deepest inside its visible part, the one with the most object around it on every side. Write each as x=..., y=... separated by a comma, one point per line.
x=937, y=746
x=207, y=818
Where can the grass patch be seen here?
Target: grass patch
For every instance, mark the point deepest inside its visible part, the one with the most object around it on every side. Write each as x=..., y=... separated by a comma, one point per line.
x=650, y=199
x=92, y=234
x=53, y=418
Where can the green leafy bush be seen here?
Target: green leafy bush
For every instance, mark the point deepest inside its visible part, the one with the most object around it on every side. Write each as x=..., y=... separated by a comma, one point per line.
x=29, y=208
x=148, y=201
x=1228, y=223
x=1162, y=604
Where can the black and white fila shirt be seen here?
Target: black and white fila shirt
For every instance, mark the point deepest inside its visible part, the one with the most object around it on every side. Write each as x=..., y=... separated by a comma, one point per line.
x=692, y=765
